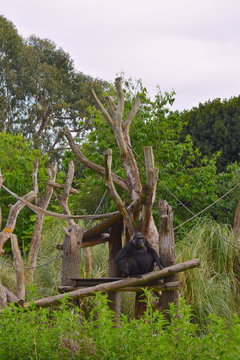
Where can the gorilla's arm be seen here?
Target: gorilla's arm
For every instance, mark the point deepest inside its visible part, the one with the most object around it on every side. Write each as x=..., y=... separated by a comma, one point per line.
x=155, y=256
x=121, y=258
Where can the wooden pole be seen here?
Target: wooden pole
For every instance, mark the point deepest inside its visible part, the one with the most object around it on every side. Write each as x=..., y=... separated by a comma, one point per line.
x=71, y=257
x=167, y=252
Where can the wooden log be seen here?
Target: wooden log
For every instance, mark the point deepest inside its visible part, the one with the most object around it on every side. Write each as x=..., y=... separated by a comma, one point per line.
x=19, y=267
x=167, y=253
x=164, y=287
x=56, y=300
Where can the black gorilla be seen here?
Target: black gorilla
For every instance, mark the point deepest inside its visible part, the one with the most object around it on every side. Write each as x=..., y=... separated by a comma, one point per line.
x=137, y=257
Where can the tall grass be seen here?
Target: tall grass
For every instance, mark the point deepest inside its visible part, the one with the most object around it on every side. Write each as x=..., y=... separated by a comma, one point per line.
x=214, y=287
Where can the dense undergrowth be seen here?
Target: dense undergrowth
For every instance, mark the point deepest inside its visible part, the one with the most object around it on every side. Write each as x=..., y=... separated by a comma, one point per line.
x=66, y=333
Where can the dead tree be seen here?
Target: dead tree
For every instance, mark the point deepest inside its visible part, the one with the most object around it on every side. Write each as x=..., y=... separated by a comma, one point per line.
x=43, y=203
x=114, y=115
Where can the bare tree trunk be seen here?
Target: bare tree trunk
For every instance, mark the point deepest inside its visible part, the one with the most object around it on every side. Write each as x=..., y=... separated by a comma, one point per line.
x=37, y=234
x=167, y=252
x=19, y=267
x=115, y=245
x=71, y=254
x=71, y=258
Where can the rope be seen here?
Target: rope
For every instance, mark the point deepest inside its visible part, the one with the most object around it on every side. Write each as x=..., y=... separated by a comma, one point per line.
x=202, y=211
x=196, y=216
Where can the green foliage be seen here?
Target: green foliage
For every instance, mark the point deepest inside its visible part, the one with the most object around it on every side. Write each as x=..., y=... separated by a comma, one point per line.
x=214, y=126
x=16, y=163
x=66, y=334
x=40, y=89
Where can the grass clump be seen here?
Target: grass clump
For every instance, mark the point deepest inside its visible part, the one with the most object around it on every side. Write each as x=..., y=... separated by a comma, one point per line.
x=214, y=286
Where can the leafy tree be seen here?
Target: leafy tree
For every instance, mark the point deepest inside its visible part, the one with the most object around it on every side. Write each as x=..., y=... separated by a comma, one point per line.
x=16, y=163
x=214, y=126
x=40, y=89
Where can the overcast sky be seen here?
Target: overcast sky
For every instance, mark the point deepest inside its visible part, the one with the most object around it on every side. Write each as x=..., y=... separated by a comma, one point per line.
x=190, y=46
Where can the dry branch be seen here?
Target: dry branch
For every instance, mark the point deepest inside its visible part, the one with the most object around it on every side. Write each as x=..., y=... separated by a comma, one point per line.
x=39, y=210
x=61, y=186
x=12, y=217
x=113, y=192
x=96, y=168
x=56, y=300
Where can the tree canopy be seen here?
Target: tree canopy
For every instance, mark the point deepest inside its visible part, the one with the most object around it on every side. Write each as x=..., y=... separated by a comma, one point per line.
x=40, y=89
x=214, y=127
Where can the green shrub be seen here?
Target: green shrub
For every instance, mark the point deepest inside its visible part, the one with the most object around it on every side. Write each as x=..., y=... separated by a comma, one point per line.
x=66, y=333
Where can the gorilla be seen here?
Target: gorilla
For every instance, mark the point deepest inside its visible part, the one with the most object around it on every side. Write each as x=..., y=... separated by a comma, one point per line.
x=137, y=257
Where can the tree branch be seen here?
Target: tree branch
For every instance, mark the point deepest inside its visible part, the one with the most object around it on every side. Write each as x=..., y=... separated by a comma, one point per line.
x=132, y=113
x=39, y=210
x=5, y=234
x=102, y=109
x=97, y=168
x=120, y=105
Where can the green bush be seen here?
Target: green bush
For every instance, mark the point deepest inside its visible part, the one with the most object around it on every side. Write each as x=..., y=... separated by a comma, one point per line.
x=66, y=333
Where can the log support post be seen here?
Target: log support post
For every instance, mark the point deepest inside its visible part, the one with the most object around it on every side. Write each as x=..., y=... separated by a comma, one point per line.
x=115, y=245
x=167, y=253
x=71, y=257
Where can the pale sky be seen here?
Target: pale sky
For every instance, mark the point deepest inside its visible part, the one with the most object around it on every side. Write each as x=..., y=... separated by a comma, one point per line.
x=190, y=46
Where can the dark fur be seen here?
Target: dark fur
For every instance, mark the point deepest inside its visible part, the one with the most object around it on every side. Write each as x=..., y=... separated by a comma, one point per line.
x=137, y=257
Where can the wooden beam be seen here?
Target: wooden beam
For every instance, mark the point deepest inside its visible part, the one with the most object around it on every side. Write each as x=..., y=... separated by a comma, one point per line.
x=164, y=287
